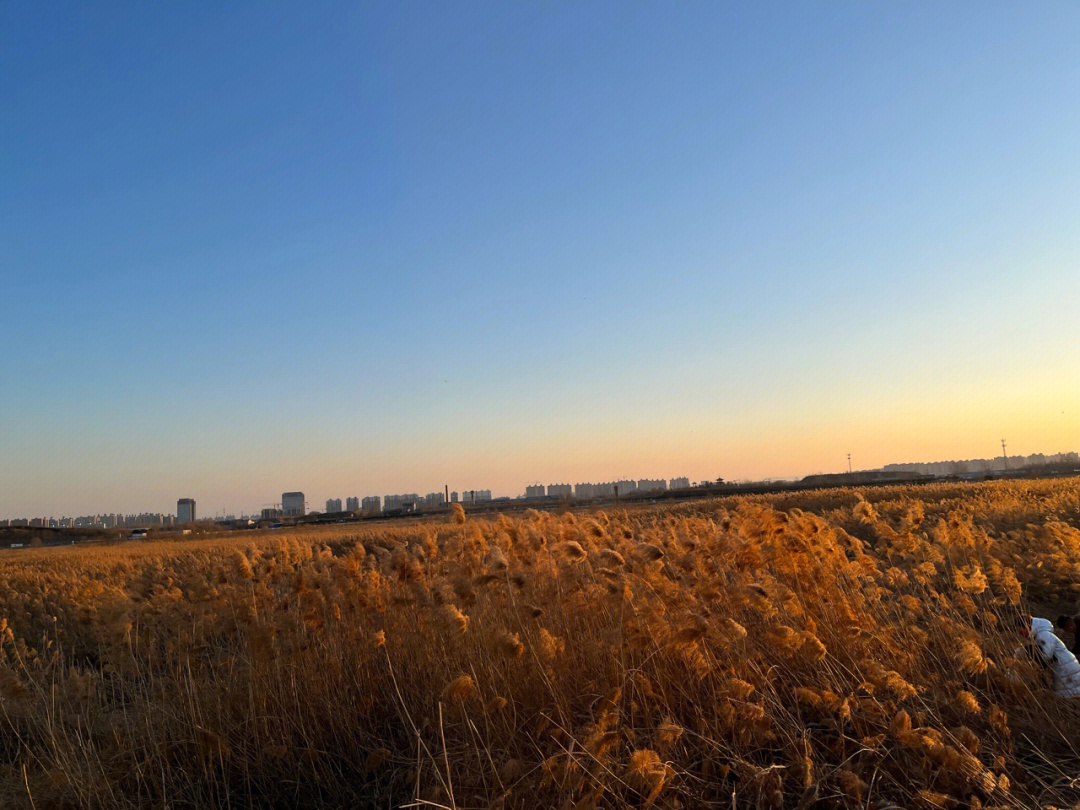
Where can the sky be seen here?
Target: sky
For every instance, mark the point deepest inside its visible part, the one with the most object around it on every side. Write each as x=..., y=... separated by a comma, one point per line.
x=369, y=248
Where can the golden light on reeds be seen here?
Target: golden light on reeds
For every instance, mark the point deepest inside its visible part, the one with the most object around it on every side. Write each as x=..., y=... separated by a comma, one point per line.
x=787, y=649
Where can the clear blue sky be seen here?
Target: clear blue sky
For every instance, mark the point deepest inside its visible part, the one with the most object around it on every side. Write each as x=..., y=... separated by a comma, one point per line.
x=370, y=248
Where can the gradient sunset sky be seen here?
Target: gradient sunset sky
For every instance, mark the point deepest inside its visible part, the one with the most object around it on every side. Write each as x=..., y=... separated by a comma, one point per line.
x=367, y=248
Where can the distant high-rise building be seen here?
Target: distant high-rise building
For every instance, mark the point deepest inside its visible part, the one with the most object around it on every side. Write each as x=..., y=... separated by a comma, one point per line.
x=185, y=510
x=559, y=490
x=535, y=491
x=292, y=504
x=370, y=505
x=475, y=495
x=651, y=485
x=680, y=483
x=406, y=502
x=352, y=504
x=584, y=491
x=333, y=505
x=453, y=497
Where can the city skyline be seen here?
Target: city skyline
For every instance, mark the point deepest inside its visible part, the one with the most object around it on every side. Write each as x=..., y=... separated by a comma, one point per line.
x=534, y=490
x=249, y=248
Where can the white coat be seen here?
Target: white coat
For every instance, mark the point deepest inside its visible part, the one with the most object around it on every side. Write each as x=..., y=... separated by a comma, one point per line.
x=1061, y=663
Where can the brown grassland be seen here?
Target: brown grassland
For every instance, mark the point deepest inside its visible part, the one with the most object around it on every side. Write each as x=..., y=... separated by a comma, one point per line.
x=838, y=648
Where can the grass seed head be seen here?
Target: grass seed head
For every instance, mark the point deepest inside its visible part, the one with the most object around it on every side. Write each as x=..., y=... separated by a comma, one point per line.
x=460, y=689
x=509, y=645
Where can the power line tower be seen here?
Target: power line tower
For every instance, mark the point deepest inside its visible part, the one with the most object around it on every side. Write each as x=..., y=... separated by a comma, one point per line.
x=849, y=463
x=1004, y=456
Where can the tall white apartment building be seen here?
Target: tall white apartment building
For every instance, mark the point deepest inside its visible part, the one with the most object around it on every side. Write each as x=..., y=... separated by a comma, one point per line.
x=408, y=501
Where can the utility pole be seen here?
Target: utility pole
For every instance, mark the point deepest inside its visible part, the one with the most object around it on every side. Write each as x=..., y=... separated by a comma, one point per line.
x=1003, y=455
x=849, y=463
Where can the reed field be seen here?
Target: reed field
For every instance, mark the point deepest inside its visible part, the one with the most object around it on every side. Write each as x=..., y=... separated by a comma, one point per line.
x=837, y=648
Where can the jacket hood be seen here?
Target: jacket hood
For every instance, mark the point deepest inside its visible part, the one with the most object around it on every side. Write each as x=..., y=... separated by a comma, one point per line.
x=1041, y=625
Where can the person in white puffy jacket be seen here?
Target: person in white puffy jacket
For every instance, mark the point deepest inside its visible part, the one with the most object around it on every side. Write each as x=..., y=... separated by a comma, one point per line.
x=1051, y=651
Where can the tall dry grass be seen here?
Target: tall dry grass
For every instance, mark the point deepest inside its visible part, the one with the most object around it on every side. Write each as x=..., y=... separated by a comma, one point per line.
x=829, y=649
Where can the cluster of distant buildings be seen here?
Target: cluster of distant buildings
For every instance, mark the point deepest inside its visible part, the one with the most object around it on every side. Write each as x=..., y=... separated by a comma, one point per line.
x=414, y=502
x=103, y=521
x=185, y=513
x=978, y=466
x=294, y=504
x=609, y=489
